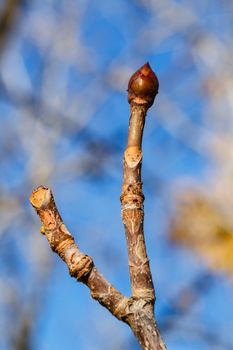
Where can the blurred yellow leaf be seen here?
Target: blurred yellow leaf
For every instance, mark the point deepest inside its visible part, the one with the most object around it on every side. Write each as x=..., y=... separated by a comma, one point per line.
x=199, y=225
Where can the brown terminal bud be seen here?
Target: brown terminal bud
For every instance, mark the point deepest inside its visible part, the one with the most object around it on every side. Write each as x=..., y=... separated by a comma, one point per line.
x=143, y=86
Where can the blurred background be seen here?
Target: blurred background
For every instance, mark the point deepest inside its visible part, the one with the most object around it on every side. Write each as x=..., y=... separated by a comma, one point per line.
x=64, y=68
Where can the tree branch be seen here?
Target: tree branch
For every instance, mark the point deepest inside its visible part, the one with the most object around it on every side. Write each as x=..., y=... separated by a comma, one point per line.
x=80, y=265
x=142, y=89
x=143, y=86
x=132, y=207
x=138, y=310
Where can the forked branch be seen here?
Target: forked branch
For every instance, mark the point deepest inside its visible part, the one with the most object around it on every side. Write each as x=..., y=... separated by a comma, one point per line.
x=138, y=310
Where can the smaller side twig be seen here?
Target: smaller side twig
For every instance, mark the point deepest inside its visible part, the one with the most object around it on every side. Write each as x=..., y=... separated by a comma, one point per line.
x=80, y=265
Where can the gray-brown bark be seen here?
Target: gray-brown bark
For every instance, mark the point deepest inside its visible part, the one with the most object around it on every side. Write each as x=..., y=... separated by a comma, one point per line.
x=80, y=265
x=143, y=87
x=138, y=310
x=132, y=208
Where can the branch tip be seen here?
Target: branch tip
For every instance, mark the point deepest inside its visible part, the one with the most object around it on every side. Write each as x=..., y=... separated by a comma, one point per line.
x=40, y=197
x=143, y=86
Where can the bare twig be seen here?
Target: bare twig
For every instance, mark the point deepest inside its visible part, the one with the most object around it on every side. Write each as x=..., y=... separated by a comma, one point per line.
x=142, y=82
x=143, y=87
x=138, y=310
x=80, y=265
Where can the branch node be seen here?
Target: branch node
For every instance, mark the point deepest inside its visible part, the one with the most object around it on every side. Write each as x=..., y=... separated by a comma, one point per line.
x=81, y=268
x=122, y=308
x=42, y=230
x=133, y=156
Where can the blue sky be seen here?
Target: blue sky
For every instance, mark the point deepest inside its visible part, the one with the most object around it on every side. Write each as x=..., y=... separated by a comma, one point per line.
x=64, y=116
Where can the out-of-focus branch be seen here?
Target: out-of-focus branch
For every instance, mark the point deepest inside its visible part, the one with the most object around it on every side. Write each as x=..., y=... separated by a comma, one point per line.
x=7, y=17
x=22, y=341
x=181, y=304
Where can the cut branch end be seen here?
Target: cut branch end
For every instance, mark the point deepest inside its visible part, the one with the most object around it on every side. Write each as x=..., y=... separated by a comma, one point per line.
x=40, y=197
